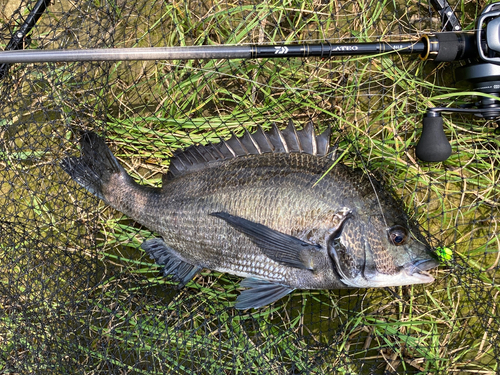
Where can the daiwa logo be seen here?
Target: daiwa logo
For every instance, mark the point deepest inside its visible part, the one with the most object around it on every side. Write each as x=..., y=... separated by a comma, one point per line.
x=281, y=50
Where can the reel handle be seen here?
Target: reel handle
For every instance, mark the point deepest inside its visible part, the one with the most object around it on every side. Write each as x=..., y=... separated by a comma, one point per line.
x=433, y=145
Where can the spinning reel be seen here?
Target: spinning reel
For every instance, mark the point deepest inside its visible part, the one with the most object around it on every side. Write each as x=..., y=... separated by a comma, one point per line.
x=480, y=49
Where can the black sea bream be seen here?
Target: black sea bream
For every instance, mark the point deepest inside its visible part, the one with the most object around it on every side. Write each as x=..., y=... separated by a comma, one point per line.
x=257, y=207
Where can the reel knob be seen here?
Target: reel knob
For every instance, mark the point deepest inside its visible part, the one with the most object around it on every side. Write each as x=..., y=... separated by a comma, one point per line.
x=433, y=145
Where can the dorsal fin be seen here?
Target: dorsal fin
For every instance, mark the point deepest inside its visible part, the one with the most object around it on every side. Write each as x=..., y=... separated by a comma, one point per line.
x=308, y=139
x=290, y=140
x=262, y=140
x=323, y=142
x=277, y=140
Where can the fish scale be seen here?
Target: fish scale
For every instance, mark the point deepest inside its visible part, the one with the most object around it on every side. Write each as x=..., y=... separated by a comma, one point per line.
x=264, y=207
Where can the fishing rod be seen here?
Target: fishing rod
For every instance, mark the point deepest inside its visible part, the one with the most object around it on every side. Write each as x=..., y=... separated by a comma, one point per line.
x=323, y=50
x=480, y=49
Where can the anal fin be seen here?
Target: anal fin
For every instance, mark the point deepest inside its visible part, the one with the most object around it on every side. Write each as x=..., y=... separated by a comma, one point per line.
x=163, y=255
x=260, y=293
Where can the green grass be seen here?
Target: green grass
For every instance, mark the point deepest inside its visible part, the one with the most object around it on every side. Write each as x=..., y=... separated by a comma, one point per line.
x=130, y=319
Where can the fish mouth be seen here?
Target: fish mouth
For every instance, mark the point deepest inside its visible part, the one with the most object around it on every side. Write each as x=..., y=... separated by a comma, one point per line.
x=423, y=265
x=413, y=273
x=419, y=270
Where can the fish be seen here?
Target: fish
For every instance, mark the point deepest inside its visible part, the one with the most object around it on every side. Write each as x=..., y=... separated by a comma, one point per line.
x=274, y=207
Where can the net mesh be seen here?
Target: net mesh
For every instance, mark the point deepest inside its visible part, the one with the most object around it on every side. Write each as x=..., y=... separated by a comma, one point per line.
x=78, y=295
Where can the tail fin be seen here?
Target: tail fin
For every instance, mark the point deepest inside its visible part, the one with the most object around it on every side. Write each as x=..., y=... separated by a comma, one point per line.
x=95, y=167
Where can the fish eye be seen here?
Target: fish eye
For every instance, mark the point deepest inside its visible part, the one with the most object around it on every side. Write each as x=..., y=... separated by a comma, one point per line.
x=398, y=235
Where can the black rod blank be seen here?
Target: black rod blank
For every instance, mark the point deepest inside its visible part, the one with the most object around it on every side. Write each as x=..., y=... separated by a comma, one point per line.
x=323, y=50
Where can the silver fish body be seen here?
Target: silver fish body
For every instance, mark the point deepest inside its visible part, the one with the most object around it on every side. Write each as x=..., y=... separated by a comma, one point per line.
x=264, y=207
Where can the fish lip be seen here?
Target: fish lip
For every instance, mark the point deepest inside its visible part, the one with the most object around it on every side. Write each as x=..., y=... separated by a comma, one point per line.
x=423, y=265
x=419, y=269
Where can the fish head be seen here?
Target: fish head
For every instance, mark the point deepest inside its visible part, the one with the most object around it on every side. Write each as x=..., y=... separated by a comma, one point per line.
x=380, y=251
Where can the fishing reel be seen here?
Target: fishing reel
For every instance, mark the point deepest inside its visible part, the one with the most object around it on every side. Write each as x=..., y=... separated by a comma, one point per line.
x=482, y=52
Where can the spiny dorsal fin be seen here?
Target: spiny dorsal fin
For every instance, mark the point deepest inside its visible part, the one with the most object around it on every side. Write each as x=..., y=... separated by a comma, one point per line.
x=323, y=142
x=308, y=139
x=290, y=140
x=277, y=140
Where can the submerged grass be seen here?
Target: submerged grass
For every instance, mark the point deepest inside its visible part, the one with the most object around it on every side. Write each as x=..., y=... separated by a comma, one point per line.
x=135, y=321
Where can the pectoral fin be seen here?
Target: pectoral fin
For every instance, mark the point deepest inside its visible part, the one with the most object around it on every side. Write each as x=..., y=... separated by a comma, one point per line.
x=260, y=293
x=166, y=257
x=280, y=247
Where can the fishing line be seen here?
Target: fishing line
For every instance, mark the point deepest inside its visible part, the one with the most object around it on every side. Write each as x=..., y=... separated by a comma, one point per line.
x=380, y=204
x=337, y=159
x=371, y=183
